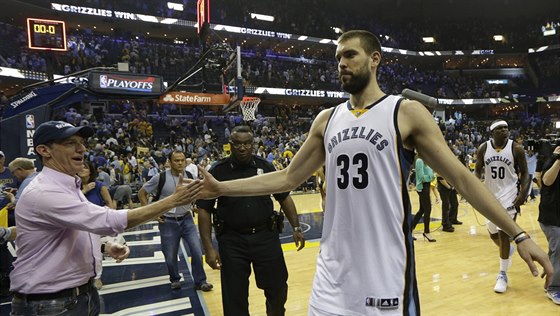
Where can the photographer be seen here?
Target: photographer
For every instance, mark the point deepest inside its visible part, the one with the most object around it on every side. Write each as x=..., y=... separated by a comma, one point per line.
x=549, y=218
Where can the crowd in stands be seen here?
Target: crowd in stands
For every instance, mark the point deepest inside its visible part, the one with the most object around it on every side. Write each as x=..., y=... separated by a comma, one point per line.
x=260, y=67
x=266, y=66
x=132, y=146
x=312, y=18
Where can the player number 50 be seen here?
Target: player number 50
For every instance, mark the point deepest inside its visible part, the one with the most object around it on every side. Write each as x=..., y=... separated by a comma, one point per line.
x=498, y=172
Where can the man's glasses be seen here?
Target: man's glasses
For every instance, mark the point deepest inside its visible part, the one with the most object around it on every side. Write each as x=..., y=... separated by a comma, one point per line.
x=239, y=145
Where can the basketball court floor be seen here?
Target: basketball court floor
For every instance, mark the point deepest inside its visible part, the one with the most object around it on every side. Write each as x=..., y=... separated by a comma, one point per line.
x=456, y=274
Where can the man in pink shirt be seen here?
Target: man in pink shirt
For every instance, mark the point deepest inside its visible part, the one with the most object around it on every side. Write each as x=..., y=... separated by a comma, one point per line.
x=56, y=251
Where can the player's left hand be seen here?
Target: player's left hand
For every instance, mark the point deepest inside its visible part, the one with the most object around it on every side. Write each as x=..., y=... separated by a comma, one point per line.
x=299, y=240
x=530, y=252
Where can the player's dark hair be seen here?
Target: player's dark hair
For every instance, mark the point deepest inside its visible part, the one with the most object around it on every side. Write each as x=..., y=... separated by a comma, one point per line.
x=369, y=42
x=173, y=152
x=92, y=172
x=241, y=129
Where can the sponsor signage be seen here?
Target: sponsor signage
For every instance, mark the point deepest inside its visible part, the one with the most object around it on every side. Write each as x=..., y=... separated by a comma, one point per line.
x=188, y=98
x=70, y=79
x=118, y=14
x=124, y=83
x=302, y=93
x=29, y=132
x=14, y=104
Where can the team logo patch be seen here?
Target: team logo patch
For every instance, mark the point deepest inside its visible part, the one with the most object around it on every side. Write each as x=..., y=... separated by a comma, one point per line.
x=383, y=303
x=103, y=81
x=260, y=171
x=29, y=121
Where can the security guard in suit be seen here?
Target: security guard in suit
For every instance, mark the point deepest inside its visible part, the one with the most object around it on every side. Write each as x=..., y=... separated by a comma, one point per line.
x=247, y=230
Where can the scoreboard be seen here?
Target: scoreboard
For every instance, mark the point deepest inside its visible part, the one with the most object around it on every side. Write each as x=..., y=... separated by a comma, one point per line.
x=46, y=34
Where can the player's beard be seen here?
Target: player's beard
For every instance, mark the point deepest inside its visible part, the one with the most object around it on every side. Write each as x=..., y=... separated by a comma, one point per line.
x=358, y=80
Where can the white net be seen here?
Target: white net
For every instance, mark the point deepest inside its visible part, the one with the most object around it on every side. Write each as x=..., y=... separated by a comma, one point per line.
x=249, y=107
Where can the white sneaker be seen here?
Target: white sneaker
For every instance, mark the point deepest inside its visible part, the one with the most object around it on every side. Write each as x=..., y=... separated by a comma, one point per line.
x=554, y=296
x=501, y=283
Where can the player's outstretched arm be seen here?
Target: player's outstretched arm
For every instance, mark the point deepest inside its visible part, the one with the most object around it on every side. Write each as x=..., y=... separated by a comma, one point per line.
x=418, y=130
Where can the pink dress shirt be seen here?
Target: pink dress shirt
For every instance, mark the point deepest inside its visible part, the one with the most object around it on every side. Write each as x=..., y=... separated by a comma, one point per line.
x=56, y=243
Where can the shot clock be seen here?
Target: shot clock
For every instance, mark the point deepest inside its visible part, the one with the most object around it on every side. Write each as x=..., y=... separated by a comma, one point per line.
x=46, y=34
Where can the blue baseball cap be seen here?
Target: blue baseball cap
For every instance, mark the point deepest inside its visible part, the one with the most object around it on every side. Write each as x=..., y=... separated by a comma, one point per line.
x=57, y=130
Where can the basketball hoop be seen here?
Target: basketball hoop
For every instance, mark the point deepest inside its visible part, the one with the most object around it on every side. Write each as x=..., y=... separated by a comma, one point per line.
x=249, y=107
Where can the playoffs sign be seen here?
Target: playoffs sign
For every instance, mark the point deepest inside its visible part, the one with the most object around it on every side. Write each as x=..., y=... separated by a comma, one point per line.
x=124, y=83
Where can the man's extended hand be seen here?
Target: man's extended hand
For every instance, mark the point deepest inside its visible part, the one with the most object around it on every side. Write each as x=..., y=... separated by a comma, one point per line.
x=187, y=191
x=117, y=251
x=530, y=252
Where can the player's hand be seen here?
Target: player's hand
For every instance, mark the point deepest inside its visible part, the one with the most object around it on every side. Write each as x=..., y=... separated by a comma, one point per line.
x=211, y=188
x=117, y=251
x=213, y=259
x=299, y=240
x=530, y=252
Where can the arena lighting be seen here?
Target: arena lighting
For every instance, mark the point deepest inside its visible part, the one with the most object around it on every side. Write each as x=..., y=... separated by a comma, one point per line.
x=498, y=38
x=428, y=39
x=556, y=124
x=262, y=17
x=168, y=21
x=175, y=6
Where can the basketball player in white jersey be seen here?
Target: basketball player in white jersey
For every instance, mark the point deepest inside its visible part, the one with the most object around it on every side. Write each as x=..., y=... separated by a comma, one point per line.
x=366, y=262
x=507, y=177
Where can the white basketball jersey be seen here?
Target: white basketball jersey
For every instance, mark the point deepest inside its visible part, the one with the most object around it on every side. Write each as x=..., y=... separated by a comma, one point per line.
x=500, y=176
x=366, y=261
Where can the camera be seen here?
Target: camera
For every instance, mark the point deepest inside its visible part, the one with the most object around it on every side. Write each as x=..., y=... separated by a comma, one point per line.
x=543, y=146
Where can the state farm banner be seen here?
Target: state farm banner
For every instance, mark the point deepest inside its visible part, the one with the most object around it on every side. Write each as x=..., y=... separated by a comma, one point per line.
x=189, y=98
x=125, y=83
